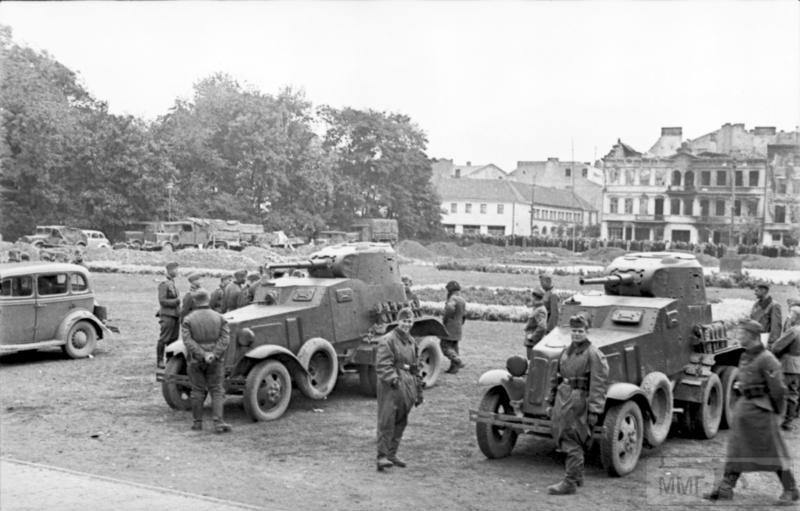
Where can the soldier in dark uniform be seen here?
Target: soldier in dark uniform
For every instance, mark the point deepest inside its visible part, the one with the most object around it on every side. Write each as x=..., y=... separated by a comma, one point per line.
x=397, y=366
x=536, y=327
x=578, y=402
x=755, y=443
x=787, y=349
x=205, y=334
x=550, y=301
x=453, y=319
x=230, y=299
x=187, y=304
x=407, y=283
x=767, y=313
x=168, y=302
x=248, y=291
x=217, y=295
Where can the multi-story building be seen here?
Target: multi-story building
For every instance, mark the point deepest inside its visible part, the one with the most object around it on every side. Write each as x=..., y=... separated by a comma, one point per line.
x=718, y=187
x=583, y=178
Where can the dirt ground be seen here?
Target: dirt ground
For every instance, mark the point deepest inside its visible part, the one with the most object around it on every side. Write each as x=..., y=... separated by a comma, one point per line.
x=106, y=416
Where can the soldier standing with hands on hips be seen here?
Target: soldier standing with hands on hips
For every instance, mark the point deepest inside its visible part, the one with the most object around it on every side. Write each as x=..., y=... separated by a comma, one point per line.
x=579, y=401
x=168, y=302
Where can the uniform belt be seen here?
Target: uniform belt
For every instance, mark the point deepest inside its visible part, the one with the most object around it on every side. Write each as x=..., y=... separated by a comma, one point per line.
x=754, y=391
x=578, y=382
x=407, y=368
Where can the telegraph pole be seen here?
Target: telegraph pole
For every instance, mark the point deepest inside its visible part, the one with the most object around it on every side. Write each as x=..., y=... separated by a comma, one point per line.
x=733, y=202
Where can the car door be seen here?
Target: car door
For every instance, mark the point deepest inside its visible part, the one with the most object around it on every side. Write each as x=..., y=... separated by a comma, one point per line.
x=17, y=310
x=53, y=303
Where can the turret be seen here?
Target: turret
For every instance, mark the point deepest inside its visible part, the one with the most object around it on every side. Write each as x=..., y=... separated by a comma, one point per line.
x=374, y=263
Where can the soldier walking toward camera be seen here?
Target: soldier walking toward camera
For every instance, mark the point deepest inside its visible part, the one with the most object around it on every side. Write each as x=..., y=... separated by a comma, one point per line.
x=205, y=334
x=767, y=312
x=578, y=403
x=397, y=367
x=550, y=301
x=187, y=304
x=453, y=319
x=755, y=443
x=230, y=299
x=218, y=294
x=787, y=349
x=536, y=327
x=168, y=303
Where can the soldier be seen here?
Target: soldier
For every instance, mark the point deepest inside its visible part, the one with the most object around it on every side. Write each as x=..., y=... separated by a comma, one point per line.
x=407, y=283
x=550, y=301
x=230, y=299
x=205, y=334
x=217, y=295
x=536, y=328
x=767, y=312
x=755, y=443
x=249, y=289
x=787, y=349
x=187, y=304
x=168, y=302
x=397, y=367
x=578, y=402
x=453, y=318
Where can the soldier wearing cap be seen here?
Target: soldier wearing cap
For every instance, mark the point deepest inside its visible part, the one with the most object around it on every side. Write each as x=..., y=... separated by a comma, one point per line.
x=168, y=303
x=407, y=283
x=397, y=367
x=453, y=319
x=755, y=443
x=230, y=299
x=787, y=349
x=766, y=312
x=217, y=295
x=550, y=301
x=248, y=291
x=206, y=336
x=579, y=401
x=536, y=327
x=187, y=304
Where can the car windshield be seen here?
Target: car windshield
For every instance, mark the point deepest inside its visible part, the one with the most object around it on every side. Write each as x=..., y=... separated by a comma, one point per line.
x=173, y=228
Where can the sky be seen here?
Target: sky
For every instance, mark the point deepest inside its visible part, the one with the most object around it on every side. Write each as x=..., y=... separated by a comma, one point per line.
x=488, y=82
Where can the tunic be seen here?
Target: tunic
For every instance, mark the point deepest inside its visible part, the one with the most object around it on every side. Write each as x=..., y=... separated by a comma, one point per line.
x=454, y=316
x=395, y=357
x=768, y=313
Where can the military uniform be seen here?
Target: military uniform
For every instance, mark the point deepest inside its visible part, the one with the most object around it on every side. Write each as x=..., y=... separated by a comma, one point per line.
x=206, y=332
x=535, y=328
x=230, y=298
x=768, y=314
x=787, y=349
x=453, y=319
x=168, y=301
x=582, y=381
x=216, y=300
x=551, y=306
x=396, y=364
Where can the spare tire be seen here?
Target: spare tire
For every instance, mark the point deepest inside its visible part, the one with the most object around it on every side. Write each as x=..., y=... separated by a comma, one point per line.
x=322, y=368
x=430, y=359
x=658, y=389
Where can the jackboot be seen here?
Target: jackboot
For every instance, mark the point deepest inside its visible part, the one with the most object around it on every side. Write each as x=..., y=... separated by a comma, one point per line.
x=563, y=488
x=723, y=491
x=383, y=463
x=221, y=426
x=397, y=462
x=788, y=497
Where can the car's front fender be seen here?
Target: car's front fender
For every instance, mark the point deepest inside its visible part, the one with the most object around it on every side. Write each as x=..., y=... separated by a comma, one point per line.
x=514, y=387
x=286, y=357
x=81, y=315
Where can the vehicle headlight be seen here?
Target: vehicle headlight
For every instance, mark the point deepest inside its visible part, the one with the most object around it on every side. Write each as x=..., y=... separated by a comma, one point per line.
x=245, y=337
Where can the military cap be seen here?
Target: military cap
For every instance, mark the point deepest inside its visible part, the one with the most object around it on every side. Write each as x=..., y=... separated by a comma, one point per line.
x=538, y=293
x=453, y=286
x=172, y=265
x=194, y=276
x=240, y=274
x=406, y=279
x=253, y=277
x=752, y=326
x=545, y=277
x=201, y=297
x=226, y=276
x=578, y=321
x=405, y=313
x=763, y=285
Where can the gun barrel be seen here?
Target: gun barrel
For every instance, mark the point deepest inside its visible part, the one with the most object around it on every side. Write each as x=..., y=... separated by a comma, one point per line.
x=307, y=265
x=608, y=279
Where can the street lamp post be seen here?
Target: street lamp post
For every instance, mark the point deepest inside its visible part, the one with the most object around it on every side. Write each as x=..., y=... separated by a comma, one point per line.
x=170, y=186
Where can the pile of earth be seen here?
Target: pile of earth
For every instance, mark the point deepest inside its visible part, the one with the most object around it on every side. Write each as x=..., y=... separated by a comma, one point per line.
x=414, y=250
x=250, y=258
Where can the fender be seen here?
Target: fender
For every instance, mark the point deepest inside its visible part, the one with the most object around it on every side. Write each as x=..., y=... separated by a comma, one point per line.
x=621, y=391
x=78, y=315
x=279, y=352
x=514, y=387
x=429, y=326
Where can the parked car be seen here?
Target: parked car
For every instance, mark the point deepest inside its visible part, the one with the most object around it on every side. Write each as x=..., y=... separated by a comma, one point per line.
x=43, y=305
x=96, y=239
x=48, y=236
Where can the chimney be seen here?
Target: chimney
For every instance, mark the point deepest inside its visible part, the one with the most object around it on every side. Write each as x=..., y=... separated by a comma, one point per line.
x=469, y=164
x=764, y=130
x=672, y=132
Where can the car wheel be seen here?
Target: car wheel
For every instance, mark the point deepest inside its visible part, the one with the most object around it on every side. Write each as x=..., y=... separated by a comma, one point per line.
x=495, y=441
x=175, y=385
x=658, y=390
x=322, y=368
x=267, y=391
x=727, y=376
x=621, y=443
x=705, y=417
x=430, y=360
x=368, y=380
x=81, y=340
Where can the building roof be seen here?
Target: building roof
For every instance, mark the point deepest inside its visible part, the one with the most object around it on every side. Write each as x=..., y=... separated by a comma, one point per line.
x=495, y=190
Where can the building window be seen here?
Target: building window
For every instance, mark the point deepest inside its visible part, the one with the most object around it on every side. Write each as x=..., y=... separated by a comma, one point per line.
x=688, y=207
x=719, y=208
x=629, y=206
x=661, y=177
x=641, y=233
x=472, y=229
x=644, y=177
x=453, y=207
x=752, y=208
x=781, y=186
x=703, y=207
x=615, y=232
x=496, y=230
x=630, y=177
x=675, y=207
x=613, y=205
x=449, y=228
x=722, y=177
x=780, y=214
x=643, y=205
x=468, y=207
x=585, y=172
x=458, y=172
x=500, y=209
x=676, y=178
x=753, y=178
x=483, y=209
x=738, y=177
x=567, y=172
x=705, y=178
x=737, y=208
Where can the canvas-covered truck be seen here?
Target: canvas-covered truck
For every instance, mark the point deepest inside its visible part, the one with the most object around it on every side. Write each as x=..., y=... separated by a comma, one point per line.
x=666, y=358
x=308, y=331
x=208, y=233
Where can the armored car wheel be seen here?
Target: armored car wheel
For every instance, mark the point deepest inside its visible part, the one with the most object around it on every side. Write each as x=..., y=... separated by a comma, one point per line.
x=658, y=389
x=267, y=391
x=81, y=340
x=430, y=358
x=621, y=443
x=177, y=395
x=494, y=441
x=703, y=418
x=727, y=376
x=368, y=380
x=322, y=365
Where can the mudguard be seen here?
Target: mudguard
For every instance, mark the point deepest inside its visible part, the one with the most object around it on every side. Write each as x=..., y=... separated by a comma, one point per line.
x=514, y=387
x=79, y=315
x=279, y=352
x=622, y=391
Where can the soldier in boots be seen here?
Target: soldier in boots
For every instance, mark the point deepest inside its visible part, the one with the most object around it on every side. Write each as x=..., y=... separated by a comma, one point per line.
x=168, y=302
x=579, y=401
x=205, y=334
x=755, y=443
x=787, y=349
x=453, y=319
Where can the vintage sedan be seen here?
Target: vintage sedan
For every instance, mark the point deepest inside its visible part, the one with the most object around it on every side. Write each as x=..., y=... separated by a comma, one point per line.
x=44, y=305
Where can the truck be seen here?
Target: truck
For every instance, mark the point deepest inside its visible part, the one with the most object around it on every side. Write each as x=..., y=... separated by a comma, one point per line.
x=142, y=235
x=49, y=236
x=208, y=233
x=667, y=359
x=376, y=229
